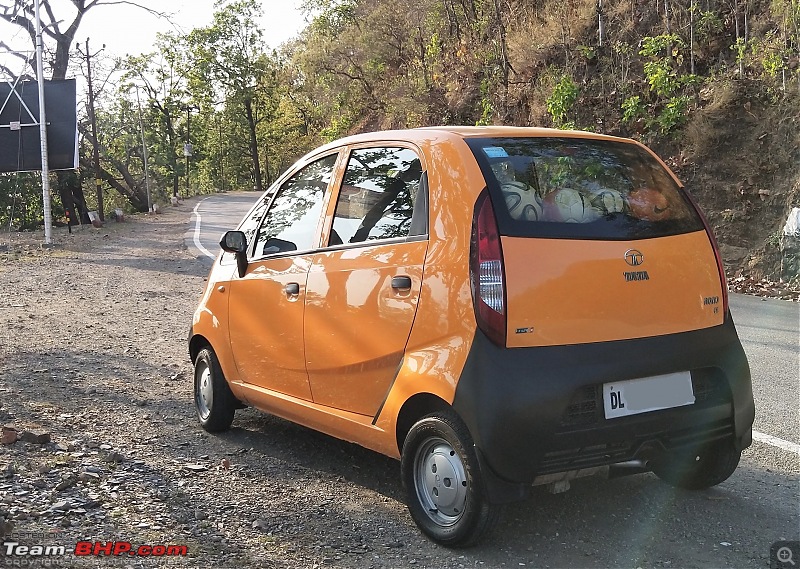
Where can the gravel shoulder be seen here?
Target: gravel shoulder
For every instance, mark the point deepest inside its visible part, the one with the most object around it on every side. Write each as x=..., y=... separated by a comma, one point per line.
x=93, y=354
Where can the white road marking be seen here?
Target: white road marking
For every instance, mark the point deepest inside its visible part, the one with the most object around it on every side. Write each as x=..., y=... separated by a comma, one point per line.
x=776, y=442
x=197, y=221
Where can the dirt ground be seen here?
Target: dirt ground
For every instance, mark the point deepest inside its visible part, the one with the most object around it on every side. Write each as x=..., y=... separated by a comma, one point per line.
x=93, y=353
x=93, y=357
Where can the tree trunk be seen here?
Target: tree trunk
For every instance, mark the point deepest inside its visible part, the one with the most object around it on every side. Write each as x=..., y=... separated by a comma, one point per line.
x=251, y=124
x=173, y=157
x=69, y=188
x=691, y=35
x=601, y=27
x=136, y=194
x=668, y=29
x=738, y=36
x=504, y=58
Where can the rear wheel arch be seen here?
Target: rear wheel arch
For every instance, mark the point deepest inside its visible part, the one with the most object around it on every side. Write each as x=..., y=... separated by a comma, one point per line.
x=414, y=409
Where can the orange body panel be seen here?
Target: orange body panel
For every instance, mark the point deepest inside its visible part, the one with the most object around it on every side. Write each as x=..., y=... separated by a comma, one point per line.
x=347, y=426
x=439, y=341
x=210, y=318
x=266, y=326
x=563, y=291
x=445, y=325
x=357, y=325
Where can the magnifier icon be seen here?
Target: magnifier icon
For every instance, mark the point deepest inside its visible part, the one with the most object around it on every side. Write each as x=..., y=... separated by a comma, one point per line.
x=785, y=555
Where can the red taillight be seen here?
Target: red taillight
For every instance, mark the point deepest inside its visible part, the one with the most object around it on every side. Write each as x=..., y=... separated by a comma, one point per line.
x=720, y=265
x=487, y=272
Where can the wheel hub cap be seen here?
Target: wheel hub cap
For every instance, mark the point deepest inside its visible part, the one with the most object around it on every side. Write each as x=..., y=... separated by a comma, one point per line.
x=205, y=392
x=441, y=481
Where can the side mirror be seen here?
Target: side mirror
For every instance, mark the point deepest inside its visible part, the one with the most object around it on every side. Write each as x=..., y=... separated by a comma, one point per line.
x=236, y=242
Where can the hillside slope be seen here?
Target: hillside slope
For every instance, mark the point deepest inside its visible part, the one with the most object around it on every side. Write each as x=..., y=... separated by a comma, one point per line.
x=713, y=87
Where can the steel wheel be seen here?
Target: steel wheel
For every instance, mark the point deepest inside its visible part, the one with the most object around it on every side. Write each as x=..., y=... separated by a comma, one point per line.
x=213, y=400
x=441, y=481
x=442, y=477
x=204, y=395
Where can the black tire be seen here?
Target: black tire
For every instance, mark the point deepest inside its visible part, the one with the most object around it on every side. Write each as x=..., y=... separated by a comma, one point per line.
x=445, y=491
x=213, y=400
x=708, y=467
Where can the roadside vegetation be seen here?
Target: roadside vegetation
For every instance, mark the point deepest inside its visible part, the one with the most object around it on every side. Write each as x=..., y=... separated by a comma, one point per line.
x=713, y=86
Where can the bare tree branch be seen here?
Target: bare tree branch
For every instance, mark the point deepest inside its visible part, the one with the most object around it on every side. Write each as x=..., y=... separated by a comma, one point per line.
x=166, y=15
x=5, y=70
x=53, y=21
x=21, y=21
x=19, y=54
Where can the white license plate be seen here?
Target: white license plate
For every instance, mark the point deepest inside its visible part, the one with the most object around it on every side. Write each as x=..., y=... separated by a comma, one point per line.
x=634, y=396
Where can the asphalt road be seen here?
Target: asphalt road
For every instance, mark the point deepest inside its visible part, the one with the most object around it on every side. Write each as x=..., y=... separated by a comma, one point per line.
x=636, y=519
x=769, y=332
x=213, y=216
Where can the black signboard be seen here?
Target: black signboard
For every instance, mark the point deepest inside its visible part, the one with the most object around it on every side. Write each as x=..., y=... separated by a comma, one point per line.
x=20, y=146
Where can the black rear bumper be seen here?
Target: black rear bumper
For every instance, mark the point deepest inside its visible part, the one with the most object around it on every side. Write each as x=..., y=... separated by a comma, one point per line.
x=534, y=411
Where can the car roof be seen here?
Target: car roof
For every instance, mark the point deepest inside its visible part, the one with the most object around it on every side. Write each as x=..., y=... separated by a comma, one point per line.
x=515, y=131
x=422, y=134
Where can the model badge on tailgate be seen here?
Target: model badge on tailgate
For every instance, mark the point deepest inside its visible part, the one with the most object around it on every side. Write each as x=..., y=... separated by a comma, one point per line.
x=636, y=276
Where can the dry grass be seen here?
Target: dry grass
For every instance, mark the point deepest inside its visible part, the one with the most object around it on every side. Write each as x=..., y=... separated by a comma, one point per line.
x=710, y=124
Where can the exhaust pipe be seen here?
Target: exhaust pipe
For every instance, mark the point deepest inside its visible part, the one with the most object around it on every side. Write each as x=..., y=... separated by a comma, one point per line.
x=627, y=468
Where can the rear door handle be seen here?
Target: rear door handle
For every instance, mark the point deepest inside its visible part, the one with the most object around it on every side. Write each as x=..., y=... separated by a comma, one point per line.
x=401, y=282
x=292, y=289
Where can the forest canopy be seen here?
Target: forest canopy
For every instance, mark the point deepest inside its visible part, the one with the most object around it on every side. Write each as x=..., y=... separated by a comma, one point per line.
x=668, y=72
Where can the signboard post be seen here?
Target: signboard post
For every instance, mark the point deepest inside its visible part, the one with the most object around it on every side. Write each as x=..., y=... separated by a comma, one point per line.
x=48, y=221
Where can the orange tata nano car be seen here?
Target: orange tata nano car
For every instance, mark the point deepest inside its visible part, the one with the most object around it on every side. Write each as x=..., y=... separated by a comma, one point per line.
x=497, y=307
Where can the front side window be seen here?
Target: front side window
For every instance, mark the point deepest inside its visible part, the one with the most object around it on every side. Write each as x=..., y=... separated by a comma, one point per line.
x=291, y=222
x=570, y=187
x=378, y=195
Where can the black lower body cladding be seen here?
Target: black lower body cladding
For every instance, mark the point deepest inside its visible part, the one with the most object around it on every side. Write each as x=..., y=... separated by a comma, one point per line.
x=535, y=411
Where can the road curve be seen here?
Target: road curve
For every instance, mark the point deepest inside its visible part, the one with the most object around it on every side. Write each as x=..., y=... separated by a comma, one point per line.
x=213, y=216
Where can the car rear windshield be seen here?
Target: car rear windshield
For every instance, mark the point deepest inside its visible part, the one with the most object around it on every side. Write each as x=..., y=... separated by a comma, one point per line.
x=581, y=189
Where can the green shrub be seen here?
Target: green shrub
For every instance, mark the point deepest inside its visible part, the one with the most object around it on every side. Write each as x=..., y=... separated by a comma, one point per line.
x=560, y=102
x=632, y=108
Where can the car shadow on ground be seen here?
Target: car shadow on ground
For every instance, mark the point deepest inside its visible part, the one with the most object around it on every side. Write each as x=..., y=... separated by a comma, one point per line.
x=289, y=442
x=182, y=267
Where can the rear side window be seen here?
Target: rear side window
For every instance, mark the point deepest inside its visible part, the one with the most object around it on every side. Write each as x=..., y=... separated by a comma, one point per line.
x=380, y=197
x=579, y=188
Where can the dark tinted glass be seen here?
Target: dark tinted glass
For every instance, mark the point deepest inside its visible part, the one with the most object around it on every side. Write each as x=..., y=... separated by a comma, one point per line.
x=578, y=188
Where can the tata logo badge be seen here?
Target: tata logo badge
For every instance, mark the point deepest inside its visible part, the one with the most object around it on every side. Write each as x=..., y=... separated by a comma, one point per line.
x=633, y=257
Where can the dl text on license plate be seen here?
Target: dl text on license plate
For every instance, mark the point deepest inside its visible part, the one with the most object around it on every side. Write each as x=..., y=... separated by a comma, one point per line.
x=634, y=396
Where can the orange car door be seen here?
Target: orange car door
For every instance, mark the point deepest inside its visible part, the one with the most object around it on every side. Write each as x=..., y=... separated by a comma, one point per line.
x=362, y=291
x=266, y=305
